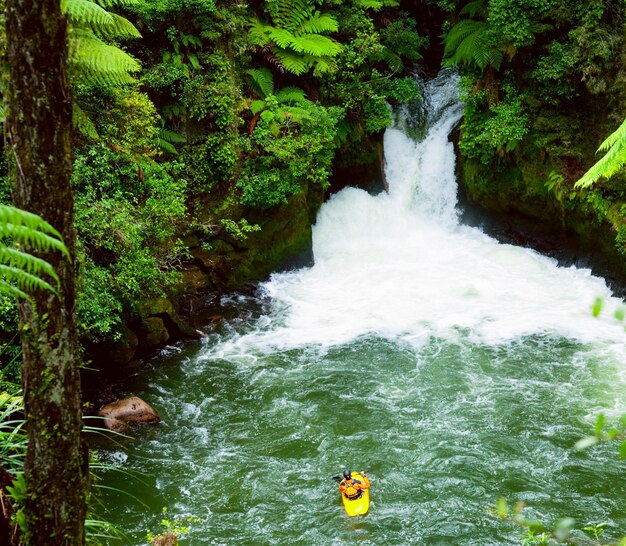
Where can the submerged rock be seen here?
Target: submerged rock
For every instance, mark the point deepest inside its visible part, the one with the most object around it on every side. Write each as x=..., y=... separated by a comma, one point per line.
x=127, y=412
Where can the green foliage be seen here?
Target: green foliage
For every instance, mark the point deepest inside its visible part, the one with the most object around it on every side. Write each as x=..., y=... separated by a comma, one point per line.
x=284, y=161
x=517, y=23
x=164, y=10
x=91, y=57
x=126, y=219
x=239, y=230
x=612, y=162
x=297, y=38
x=555, y=73
x=495, y=131
x=12, y=435
x=21, y=272
x=471, y=42
x=177, y=526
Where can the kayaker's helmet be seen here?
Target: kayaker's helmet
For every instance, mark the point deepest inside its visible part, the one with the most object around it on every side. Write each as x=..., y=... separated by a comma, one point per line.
x=347, y=474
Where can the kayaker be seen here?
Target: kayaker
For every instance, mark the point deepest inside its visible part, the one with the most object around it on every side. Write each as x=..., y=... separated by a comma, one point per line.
x=353, y=488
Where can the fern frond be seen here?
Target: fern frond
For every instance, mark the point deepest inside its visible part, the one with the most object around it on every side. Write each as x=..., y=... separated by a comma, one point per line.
x=370, y=4
x=281, y=37
x=318, y=23
x=323, y=65
x=17, y=282
x=611, y=163
x=86, y=12
x=121, y=3
x=121, y=28
x=315, y=45
x=258, y=33
x=297, y=114
x=290, y=14
x=167, y=147
x=2, y=117
x=171, y=136
x=166, y=139
x=470, y=44
x=263, y=80
x=27, y=228
x=83, y=123
x=13, y=257
x=257, y=106
x=459, y=32
x=292, y=95
x=394, y=61
x=292, y=62
x=100, y=62
x=617, y=137
x=474, y=9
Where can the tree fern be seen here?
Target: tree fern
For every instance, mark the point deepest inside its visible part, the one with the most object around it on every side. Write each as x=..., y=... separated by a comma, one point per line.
x=290, y=14
x=263, y=80
x=296, y=38
x=292, y=95
x=318, y=23
x=611, y=163
x=20, y=271
x=476, y=8
x=91, y=57
x=292, y=62
x=468, y=42
x=315, y=45
x=99, y=62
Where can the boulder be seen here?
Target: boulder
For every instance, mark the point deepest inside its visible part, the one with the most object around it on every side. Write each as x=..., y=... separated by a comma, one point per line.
x=127, y=412
x=168, y=539
x=153, y=333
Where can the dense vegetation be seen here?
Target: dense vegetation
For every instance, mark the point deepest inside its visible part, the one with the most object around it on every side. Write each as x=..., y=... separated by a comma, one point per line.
x=544, y=85
x=193, y=120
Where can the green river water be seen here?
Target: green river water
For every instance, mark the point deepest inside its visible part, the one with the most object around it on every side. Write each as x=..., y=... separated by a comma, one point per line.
x=453, y=369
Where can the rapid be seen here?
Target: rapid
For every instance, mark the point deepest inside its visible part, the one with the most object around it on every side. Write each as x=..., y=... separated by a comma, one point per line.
x=453, y=368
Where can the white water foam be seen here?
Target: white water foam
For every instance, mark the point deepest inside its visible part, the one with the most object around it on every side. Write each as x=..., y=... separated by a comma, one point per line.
x=400, y=265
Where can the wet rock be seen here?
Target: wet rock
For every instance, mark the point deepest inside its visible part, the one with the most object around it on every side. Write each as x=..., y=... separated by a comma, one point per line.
x=153, y=332
x=168, y=539
x=127, y=412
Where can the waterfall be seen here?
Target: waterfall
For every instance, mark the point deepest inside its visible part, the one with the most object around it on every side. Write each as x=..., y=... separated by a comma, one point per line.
x=400, y=265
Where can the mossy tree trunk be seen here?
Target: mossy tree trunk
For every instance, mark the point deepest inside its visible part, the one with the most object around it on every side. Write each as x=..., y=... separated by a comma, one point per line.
x=39, y=126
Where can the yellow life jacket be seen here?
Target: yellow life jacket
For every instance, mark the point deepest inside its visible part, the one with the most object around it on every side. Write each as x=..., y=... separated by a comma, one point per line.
x=352, y=492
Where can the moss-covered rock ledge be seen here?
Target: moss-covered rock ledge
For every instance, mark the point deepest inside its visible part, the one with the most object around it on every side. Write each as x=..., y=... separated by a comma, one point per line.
x=531, y=205
x=225, y=253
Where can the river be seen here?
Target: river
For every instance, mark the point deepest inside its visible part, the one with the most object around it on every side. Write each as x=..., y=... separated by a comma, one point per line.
x=454, y=369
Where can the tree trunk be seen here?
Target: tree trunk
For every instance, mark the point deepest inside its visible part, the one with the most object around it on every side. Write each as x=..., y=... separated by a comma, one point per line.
x=39, y=129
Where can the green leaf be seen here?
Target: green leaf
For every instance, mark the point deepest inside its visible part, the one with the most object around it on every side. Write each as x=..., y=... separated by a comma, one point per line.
x=502, y=508
x=612, y=162
x=596, y=308
x=599, y=424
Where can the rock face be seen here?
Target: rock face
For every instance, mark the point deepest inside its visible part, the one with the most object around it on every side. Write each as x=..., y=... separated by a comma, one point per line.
x=127, y=412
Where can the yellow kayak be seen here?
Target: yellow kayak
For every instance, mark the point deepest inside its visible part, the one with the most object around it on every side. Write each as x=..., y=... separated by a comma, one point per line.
x=360, y=505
